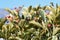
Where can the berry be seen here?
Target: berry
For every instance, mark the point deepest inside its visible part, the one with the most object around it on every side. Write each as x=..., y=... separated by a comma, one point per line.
x=9, y=16
x=49, y=25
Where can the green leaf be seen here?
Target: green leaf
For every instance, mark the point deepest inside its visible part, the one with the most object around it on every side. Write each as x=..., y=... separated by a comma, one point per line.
x=35, y=23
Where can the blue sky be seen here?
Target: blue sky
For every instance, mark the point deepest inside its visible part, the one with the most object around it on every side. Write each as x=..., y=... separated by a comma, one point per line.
x=26, y=3
x=16, y=3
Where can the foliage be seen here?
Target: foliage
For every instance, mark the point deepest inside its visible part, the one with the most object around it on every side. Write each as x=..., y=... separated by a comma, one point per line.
x=35, y=24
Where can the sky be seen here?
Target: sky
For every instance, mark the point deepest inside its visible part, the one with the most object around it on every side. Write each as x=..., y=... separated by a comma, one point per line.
x=26, y=3
x=16, y=3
